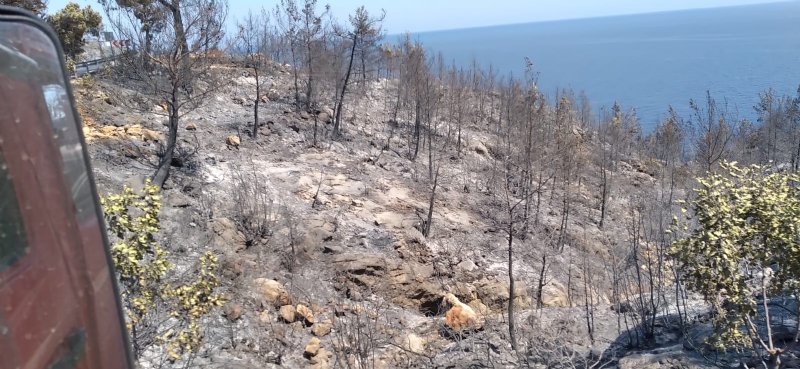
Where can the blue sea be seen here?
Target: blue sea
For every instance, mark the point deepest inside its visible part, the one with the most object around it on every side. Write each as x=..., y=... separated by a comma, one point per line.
x=649, y=61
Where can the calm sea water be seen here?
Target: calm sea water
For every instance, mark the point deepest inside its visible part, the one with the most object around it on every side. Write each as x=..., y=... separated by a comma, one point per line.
x=648, y=61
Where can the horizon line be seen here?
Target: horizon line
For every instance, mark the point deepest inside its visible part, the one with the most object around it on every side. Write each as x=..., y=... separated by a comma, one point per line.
x=554, y=20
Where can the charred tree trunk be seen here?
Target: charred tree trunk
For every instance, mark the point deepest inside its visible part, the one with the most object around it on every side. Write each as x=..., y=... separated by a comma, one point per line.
x=309, y=61
x=162, y=172
x=256, y=103
x=603, y=196
x=542, y=282
x=511, y=295
x=417, y=129
x=296, y=75
x=429, y=221
x=340, y=101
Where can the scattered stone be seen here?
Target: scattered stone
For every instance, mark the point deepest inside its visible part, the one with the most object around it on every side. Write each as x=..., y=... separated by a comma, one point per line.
x=306, y=314
x=332, y=249
x=320, y=231
x=467, y=265
x=178, y=200
x=108, y=130
x=271, y=292
x=233, y=140
x=134, y=130
x=288, y=313
x=340, y=310
x=265, y=318
x=460, y=316
x=671, y=359
x=149, y=135
x=161, y=107
x=412, y=343
x=324, y=117
x=226, y=235
x=131, y=150
x=494, y=293
x=273, y=95
x=555, y=294
x=479, y=307
x=323, y=328
x=233, y=311
x=232, y=268
x=480, y=148
x=312, y=348
x=321, y=359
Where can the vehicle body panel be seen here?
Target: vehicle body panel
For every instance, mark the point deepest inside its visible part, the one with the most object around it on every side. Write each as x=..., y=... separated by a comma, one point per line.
x=58, y=300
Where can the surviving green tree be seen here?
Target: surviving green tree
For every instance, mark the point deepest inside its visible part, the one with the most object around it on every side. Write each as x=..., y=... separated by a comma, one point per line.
x=71, y=24
x=741, y=252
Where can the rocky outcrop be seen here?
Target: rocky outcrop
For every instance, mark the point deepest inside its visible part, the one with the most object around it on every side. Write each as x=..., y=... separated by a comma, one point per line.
x=323, y=328
x=312, y=347
x=232, y=311
x=671, y=359
x=305, y=314
x=493, y=292
x=288, y=313
x=460, y=317
x=404, y=283
x=225, y=235
x=150, y=135
x=318, y=357
x=271, y=292
x=555, y=294
x=412, y=343
x=233, y=141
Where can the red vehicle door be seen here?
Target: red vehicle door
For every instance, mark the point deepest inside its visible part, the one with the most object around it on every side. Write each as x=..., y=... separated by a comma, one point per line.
x=58, y=300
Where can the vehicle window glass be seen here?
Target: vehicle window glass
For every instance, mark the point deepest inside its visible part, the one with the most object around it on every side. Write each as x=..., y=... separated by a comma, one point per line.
x=12, y=231
x=29, y=56
x=68, y=138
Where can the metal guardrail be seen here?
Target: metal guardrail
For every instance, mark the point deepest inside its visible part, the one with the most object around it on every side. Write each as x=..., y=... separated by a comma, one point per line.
x=91, y=66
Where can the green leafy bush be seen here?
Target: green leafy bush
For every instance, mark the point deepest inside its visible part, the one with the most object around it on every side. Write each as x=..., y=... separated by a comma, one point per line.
x=741, y=250
x=71, y=24
x=144, y=271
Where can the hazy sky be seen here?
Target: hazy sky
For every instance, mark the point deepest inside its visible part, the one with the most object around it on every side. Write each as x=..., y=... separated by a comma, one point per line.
x=427, y=15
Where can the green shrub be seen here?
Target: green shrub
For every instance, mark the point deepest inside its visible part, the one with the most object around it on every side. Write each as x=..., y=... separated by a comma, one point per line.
x=742, y=249
x=144, y=273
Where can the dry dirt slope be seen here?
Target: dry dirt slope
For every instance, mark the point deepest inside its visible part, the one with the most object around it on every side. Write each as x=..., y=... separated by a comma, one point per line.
x=345, y=243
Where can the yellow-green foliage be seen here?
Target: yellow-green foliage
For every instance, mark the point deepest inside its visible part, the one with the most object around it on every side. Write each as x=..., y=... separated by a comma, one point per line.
x=744, y=225
x=70, y=65
x=143, y=267
x=71, y=24
x=192, y=302
x=141, y=263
